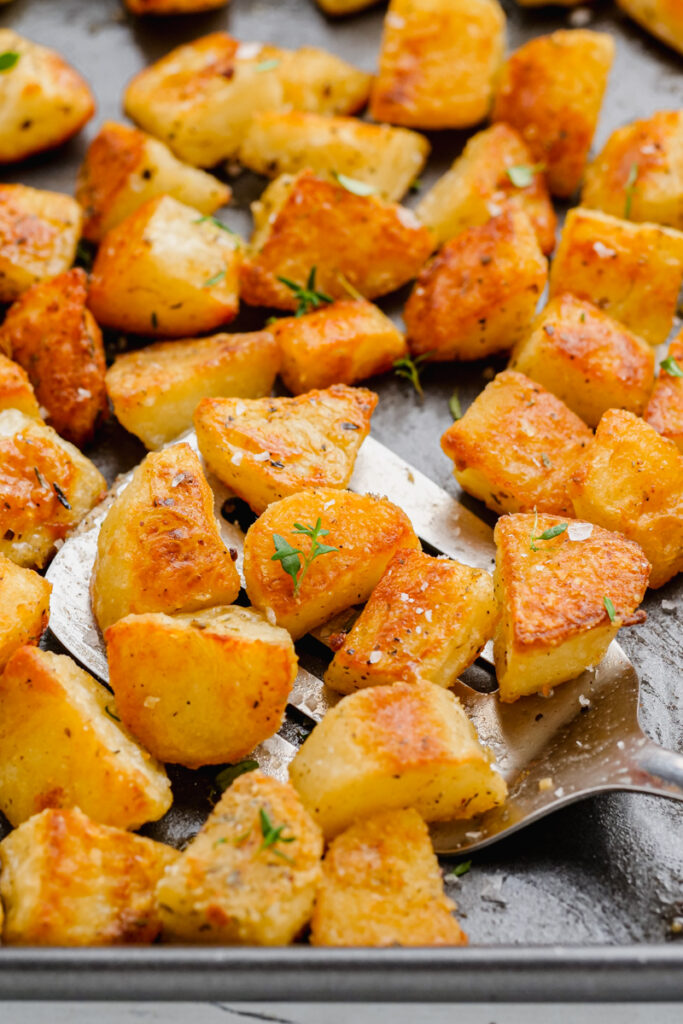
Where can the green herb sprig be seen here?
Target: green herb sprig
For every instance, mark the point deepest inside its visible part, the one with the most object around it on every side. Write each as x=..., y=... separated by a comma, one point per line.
x=294, y=561
x=522, y=175
x=8, y=59
x=462, y=868
x=307, y=296
x=549, y=534
x=609, y=606
x=630, y=190
x=358, y=188
x=272, y=835
x=454, y=406
x=227, y=775
x=411, y=369
x=267, y=65
x=672, y=367
x=216, y=279
x=208, y=218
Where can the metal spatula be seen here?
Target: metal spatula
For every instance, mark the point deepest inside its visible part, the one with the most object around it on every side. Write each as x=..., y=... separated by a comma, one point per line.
x=584, y=740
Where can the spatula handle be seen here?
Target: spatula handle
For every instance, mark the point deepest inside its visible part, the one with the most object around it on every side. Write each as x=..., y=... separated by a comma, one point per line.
x=663, y=771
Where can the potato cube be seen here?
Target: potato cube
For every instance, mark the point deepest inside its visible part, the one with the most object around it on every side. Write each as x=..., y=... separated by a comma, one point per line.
x=382, y=886
x=166, y=270
x=39, y=232
x=159, y=548
x=315, y=80
x=24, y=608
x=62, y=745
x=388, y=747
x=68, y=881
x=365, y=533
x=551, y=91
x=587, y=359
x=378, y=246
x=16, y=390
x=438, y=62
x=250, y=876
x=427, y=619
x=264, y=449
x=479, y=294
x=341, y=343
x=630, y=480
x=663, y=18
x=173, y=6
x=124, y=168
x=631, y=271
x=46, y=488
x=664, y=411
x=155, y=390
x=44, y=101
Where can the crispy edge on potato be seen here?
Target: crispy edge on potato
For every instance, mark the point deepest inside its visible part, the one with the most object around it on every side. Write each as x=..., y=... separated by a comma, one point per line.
x=24, y=608
x=664, y=410
x=662, y=18
x=16, y=390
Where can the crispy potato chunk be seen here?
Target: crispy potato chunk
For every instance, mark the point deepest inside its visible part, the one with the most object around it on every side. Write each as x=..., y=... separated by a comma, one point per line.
x=664, y=410
x=39, y=232
x=366, y=533
x=590, y=361
x=551, y=91
x=663, y=18
x=62, y=745
x=16, y=390
x=382, y=887
x=46, y=487
x=241, y=881
x=555, y=593
x=480, y=181
x=155, y=390
x=44, y=101
x=396, y=746
x=268, y=448
x=438, y=62
x=124, y=168
x=55, y=338
x=201, y=688
x=166, y=270
x=24, y=608
x=159, y=548
x=630, y=480
x=341, y=343
x=516, y=447
x=386, y=159
x=427, y=619
x=173, y=6
x=479, y=294
x=631, y=271
x=378, y=246
x=68, y=881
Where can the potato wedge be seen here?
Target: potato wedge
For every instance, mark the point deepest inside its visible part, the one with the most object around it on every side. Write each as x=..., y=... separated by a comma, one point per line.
x=664, y=410
x=173, y=6
x=662, y=18
x=16, y=390
x=24, y=608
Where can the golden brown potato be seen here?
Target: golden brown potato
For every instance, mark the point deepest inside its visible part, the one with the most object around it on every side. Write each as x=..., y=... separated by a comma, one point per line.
x=590, y=361
x=46, y=488
x=365, y=532
x=62, y=745
x=124, y=168
x=268, y=448
x=166, y=270
x=630, y=480
x=427, y=619
x=663, y=18
x=24, y=608
x=479, y=294
x=516, y=447
x=44, y=101
x=551, y=91
x=159, y=548
x=155, y=390
x=378, y=246
x=382, y=886
x=388, y=747
x=565, y=589
x=250, y=876
x=664, y=411
x=343, y=342
x=67, y=881
x=55, y=338
x=313, y=79
x=173, y=6
x=481, y=180
x=39, y=232
x=16, y=390
x=438, y=62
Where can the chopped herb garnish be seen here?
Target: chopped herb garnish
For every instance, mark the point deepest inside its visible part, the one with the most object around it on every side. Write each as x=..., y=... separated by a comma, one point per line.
x=307, y=296
x=267, y=65
x=293, y=560
x=607, y=601
x=61, y=496
x=630, y=189
x=272, y=835
x=85, y=255
x=672, y=367
x=416, y=185
x=522, y=175
x=228, y=775
x=582, y=318
x=154, y=320
x=111, y=713
x=549, y=534
x=359, y=188
x=545, y=459
x=411, y=369
x=462, y=868
x=272, y=320
x=219, y=842
x=8, y=59
x=216, y=223
x=454, y=406
x=348, y=287
x=39, y=477
x=216, y=279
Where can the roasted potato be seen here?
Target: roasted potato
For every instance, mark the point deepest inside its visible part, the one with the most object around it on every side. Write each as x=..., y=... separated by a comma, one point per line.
x=24, y=608
x=382, y=887
x=166, y=270
x=438, y=62
x=365, y=533
x=664, y=410
x=124, y=168
x=44, y=101
x=173, y=6
x=426, y=620
x=551, y=91
x=590, y=361
x=68, y=881
x=479, y=294
x=314, y=79
x=663, y=18
x=39, y=232
x=250, y=876
x=378, y=246
x=630, y=480
x=62, y=745
x=631, y=271
x=395, y=746
x=16, y=390
x=155, y=390
x=46, y=487
x=264, y=449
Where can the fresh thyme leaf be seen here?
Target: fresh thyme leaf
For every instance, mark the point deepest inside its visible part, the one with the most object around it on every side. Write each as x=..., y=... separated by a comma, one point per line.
x=308, y=297
x=39, y=477
x=672, y=367
x=522, y=175
x=272, y=835
x=348, y=287
x=416, y=185
x=216, y=223
x=552, y=531
x=410, y=369
x=358, y=188
x=227, y=775
x=111, y=713
x=85, y=255
x=454, y=406
x=8, y=59
x=267, y=65
x=545, y=459
x=61, y=496
x=630, y=189
x=607, y=601
x=462, y=868
x=216, y=279
x=272, y=320
x=294, y=561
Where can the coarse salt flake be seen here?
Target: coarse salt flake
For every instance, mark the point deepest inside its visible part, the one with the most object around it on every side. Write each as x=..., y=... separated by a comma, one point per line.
x=236, y=458
x=240, y=409
x=428, y=615
x=247, y=51
x=579, y=531
x=404, y=597
x=261, y=457
x=270, y=615
x=374, y=657
x=177, y=479
x=151, y=702
x=83, y=393
x=580, y=17
x=584, y=701
x=559, y=791
x=328, y=504
x=395, y=20
x=621, y=745
x=603, y=251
